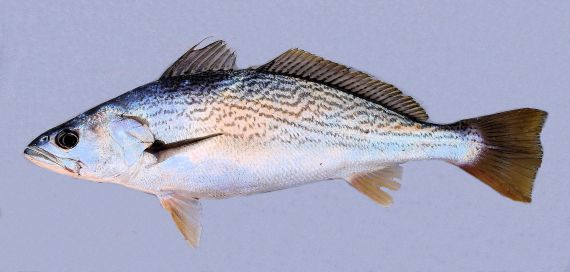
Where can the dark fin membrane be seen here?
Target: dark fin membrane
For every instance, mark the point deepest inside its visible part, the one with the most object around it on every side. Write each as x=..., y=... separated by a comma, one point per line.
x=301, y=64
x=212, y=57
x=512, y=153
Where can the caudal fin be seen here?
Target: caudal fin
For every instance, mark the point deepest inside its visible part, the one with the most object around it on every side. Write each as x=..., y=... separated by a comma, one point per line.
x=512, y=151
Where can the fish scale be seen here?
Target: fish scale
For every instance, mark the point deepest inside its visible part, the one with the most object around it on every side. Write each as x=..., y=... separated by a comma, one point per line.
x=339, y=132
x=288, y=105
x=205, y=129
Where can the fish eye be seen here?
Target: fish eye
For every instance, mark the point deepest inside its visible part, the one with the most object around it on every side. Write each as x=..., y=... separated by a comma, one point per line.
x=67, y=139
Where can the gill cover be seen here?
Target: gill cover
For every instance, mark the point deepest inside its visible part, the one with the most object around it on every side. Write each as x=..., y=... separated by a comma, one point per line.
x=133, y=136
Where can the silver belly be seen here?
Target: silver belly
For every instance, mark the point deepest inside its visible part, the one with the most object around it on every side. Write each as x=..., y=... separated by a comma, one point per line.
x=219, y=168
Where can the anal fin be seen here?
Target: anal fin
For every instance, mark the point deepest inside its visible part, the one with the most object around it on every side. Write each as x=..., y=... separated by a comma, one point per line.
x=185, y=212
x=371, y=184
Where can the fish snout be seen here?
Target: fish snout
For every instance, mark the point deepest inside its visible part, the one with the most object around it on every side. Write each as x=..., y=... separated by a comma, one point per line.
x=33, y=150
x=36, y=153
x=39, y=141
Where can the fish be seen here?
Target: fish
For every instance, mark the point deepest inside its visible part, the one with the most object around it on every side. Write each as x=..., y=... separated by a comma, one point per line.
x=208, y=130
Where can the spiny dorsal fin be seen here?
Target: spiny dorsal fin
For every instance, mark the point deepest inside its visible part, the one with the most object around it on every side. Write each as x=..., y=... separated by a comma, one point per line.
x=370, y=184
x=212, y=57
x=302, y=64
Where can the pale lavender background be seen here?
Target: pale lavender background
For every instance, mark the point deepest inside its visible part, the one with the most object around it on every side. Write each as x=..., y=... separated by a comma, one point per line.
x=460, y=59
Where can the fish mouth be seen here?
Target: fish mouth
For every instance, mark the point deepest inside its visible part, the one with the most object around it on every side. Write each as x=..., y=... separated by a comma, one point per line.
x=45, y=159
x=33, y=154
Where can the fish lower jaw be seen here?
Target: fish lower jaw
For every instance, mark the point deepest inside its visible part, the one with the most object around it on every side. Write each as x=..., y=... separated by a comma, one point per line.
x=45, y=160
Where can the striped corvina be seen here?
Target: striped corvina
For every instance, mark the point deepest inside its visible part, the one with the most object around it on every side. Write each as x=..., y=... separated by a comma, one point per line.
x=206, y=130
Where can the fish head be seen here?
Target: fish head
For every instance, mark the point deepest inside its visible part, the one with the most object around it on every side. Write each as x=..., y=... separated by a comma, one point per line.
x=99, y=146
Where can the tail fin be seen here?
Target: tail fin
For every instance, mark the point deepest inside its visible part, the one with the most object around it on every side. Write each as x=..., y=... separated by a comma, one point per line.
x=512, y=151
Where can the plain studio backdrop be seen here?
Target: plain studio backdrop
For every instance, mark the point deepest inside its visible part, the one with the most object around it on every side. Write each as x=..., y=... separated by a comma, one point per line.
x=459, y=59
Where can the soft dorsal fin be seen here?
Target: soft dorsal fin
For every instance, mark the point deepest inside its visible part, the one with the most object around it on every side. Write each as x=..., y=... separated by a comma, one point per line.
x=212, y=57
x=302, y=64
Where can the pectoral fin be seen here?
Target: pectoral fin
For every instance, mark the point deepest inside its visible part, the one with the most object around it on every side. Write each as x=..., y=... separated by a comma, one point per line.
x=164, y=151
x=185, y=212
x=371, y=184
